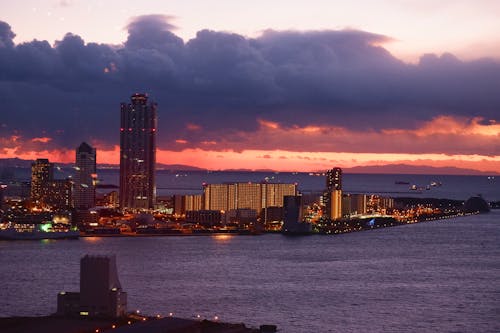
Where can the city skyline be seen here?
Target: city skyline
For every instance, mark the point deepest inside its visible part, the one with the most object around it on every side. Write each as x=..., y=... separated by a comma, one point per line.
x=292, y=98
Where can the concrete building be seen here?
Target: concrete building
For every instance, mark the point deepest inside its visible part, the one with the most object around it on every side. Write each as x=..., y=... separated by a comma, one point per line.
x=138, y=154
x=193, y=202
x=293, y=216
x=254, y=196
x=57, y=194
x=335, y=204
x=100, y=293
x=333, y=194
x=334, y=179
x=85, y=177
x=358, y=204
x=42, y=171
x=207, y=218
x=47, y=192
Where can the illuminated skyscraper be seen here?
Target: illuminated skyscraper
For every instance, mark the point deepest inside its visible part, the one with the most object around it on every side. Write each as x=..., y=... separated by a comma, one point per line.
x=42, y=171
x=334, y=179
x=138, y=153
x=85, y=177
x=333, y=195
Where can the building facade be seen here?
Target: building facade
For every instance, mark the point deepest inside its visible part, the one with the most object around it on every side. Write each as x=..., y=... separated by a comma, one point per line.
x=47, y=192
x=57, y=194
x=138, y=153
x=100, y=295
x=85, y=177
x=42, y=171
x=255, y=196
x=333, y=194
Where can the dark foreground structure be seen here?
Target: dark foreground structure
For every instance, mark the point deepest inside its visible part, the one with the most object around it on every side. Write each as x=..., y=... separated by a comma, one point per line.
x=100, y=295
x=57, y=324
x=100, y=306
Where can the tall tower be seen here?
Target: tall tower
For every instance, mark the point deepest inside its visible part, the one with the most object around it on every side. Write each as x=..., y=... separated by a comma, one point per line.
x=42, y=171
x=333, y=195
x=85, y=177
x=138, y=153
x=334, y=179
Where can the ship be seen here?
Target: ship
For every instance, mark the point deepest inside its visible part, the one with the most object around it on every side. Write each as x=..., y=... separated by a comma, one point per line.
x=38, y=232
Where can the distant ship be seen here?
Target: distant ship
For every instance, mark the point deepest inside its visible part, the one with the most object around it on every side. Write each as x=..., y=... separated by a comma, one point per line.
x=38, y=232
x=400, y=182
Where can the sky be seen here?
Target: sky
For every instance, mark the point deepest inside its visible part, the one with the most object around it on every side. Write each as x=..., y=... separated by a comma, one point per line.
x=291, y=86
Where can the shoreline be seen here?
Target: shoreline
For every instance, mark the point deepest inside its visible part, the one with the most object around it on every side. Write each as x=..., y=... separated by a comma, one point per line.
x=130, y=323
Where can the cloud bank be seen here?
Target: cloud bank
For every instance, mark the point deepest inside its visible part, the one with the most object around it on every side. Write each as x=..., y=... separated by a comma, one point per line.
x=284, y=90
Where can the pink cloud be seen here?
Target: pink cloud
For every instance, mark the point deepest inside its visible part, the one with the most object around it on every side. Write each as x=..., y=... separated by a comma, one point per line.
x=42, y=139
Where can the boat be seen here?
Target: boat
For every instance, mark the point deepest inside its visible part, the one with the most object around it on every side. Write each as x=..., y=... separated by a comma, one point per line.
x=400, y=182
x=38, y=232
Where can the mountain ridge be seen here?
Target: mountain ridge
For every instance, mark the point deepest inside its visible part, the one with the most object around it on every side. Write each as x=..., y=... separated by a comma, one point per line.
x=371, y=169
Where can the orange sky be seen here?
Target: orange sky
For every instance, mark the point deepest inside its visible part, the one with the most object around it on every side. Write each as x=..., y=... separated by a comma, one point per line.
x=280, y=160
x=475, y=142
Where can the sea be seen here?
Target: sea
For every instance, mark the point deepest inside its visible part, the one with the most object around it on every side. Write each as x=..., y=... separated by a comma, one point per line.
x=439, y=276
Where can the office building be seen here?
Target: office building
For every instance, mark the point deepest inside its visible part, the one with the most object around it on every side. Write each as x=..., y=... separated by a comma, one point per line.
x=138, y=154
x=42, y=171
x=57, y=194
x=85, y=177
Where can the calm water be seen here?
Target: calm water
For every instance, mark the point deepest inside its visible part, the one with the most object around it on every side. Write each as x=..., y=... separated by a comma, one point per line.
x=454, y=187
x=429, y=277
x=178, y=182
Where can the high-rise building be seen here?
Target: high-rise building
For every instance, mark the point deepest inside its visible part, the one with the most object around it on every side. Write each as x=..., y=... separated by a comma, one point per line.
x=333, y=195
x=138, y=153
x=57, y=194
x=42, y=171
x=85, y=177
x=334, y=179
x=335, y=204
x=254, y=196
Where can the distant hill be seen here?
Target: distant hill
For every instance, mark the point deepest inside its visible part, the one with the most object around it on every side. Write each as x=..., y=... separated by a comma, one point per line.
x=376, y=169
x=416, y=170
x=20, y=163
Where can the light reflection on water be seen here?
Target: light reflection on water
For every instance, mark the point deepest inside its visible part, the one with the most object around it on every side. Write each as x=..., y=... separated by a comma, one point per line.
x=428, y=277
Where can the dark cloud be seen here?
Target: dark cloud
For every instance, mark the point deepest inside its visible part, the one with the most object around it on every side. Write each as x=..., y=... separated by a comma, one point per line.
x=224, y=83
x=6, y=35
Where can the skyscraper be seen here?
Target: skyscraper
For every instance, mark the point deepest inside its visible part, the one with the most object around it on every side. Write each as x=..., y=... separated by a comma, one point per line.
x=333, y=195
x=138, y=153
x=334, y=179
x=85, y=176
x=42, y=171
x=47, y=192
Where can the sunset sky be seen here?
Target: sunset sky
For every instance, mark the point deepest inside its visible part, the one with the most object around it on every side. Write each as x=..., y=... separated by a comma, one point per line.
x=284, y=85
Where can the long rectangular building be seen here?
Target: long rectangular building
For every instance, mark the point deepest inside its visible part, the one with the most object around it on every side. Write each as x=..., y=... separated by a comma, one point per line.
x=255, y=196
